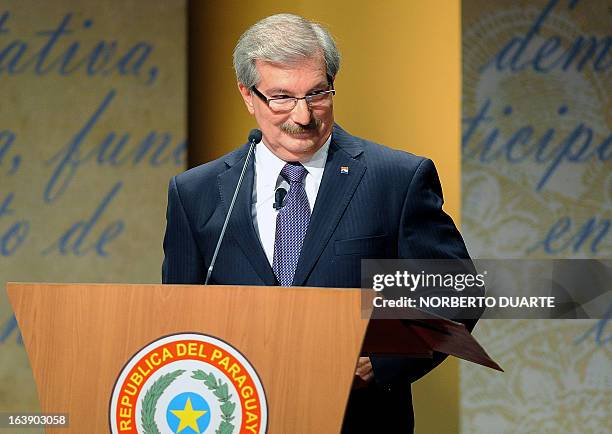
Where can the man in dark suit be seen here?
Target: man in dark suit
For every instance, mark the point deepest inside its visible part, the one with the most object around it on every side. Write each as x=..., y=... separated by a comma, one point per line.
x=347, y=199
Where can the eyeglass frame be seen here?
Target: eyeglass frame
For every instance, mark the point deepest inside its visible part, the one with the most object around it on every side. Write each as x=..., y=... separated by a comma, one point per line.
x=267, y=100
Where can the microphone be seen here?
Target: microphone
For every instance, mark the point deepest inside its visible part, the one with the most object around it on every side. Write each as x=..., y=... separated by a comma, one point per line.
x=254, y=138
x=279, y=198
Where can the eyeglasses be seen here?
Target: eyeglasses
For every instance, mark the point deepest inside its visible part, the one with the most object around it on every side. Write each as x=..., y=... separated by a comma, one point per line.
x=284, y=104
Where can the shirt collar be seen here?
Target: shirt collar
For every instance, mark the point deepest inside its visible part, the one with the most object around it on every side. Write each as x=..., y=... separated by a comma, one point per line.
x=316, y=164
x=269, y=166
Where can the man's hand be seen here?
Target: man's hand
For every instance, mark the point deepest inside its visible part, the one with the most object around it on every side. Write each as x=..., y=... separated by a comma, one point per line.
x=364, y=369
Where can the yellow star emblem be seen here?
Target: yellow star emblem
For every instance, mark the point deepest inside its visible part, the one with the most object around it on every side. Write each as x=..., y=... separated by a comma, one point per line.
x=188, y=416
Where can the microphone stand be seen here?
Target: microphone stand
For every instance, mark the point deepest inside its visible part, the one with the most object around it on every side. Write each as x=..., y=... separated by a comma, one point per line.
x=253, y=140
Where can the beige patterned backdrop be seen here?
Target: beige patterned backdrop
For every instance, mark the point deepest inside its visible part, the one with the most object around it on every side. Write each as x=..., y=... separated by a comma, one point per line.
x=92, y=126
x=537, y=183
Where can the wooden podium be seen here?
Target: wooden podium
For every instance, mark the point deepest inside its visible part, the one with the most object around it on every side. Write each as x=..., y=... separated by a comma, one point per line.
x=303, y=343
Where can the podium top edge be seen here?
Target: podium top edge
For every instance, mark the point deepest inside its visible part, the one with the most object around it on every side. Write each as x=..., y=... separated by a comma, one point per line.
x=160, y=285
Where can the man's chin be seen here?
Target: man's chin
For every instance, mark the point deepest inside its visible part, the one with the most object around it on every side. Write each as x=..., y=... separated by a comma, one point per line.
x=299, y=149
x=297, y=142
x=304, y=136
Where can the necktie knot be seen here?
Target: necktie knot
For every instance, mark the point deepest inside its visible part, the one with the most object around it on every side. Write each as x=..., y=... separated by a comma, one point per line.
x=294, y=172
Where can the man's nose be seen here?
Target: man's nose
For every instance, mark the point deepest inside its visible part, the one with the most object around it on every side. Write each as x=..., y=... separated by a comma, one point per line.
x=301, y=113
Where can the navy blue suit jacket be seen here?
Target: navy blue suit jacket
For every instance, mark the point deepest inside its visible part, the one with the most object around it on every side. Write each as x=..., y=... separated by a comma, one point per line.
x=389, y=205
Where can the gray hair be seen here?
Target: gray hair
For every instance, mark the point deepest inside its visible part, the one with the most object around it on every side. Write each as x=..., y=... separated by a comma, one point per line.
x=284, y=39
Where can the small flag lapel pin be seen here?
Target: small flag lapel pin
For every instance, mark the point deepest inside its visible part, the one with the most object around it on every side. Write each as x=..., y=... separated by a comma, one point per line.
x=344, y=170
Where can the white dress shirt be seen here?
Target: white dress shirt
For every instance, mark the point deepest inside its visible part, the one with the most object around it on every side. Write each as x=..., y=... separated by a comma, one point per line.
x=267, y=179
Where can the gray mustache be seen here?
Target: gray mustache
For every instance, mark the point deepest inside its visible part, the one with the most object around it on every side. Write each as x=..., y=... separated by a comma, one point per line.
x=290, y=128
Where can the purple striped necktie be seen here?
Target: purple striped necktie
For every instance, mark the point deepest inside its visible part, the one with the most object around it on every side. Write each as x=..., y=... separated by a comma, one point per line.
x=291, y=224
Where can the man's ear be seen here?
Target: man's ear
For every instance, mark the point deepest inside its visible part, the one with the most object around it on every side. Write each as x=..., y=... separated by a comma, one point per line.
x=247, y=96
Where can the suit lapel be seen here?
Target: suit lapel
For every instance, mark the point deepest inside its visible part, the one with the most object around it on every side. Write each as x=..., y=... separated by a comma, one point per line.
x=241, y=226
x=335, y=193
